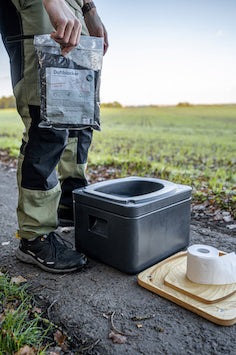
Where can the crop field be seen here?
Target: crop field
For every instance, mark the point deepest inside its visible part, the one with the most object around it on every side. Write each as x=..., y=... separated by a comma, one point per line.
x=190, y=145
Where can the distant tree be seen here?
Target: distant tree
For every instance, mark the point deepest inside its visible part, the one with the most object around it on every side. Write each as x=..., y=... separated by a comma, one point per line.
x=153, y=106
x=114, y=104
x=7, y=102
x=184, y=104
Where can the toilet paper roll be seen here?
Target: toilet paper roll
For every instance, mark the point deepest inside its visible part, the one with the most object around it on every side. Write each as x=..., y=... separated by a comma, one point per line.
x=205, y=266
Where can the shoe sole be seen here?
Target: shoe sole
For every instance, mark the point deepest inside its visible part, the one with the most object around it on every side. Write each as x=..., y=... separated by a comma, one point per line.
x=26, y=258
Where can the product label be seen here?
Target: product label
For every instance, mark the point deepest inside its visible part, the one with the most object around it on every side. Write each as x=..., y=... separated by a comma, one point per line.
x=70, y=95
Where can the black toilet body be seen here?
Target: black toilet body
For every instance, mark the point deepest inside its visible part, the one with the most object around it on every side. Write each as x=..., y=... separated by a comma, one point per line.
x=132, y=223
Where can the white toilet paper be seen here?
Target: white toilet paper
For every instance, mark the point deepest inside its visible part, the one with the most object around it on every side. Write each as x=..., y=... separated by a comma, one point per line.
x=205, y=266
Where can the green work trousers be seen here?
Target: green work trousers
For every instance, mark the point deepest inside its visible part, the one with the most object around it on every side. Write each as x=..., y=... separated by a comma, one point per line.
x=43, y=151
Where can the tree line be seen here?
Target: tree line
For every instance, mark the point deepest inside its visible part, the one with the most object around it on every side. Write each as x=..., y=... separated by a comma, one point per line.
x=7, y=102
x=10, y=102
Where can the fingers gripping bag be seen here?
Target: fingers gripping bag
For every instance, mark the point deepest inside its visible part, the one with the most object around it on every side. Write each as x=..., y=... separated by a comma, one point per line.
x=70, y=84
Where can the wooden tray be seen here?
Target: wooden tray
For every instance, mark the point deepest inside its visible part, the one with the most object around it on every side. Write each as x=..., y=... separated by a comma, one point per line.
x=215, y=303
x=176, y=278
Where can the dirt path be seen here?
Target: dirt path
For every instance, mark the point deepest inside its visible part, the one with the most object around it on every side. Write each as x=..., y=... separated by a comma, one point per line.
x=80, y=301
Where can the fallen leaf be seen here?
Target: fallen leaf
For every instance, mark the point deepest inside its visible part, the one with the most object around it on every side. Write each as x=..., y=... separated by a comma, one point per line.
x=117, y=338
x=199, y=207
x=224, y=213
x=26, y=350
x=95, y=280
x=139, y=325
x=2, y=317
x=60, y=339
x=227, y=218
x=18, y=280
x=5, y=243
x=217, y=217
x=10, y=311
x=231, y=226
x=37, y=310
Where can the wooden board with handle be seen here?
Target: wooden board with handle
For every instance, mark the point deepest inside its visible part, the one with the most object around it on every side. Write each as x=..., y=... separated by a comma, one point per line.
x=177, y=279
x=221, y=311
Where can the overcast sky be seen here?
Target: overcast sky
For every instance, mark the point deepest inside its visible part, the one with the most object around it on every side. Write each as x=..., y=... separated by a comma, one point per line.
x=164, y=52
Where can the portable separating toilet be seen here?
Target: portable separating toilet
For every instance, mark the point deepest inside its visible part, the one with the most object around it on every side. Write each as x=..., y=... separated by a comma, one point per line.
x=132, y=223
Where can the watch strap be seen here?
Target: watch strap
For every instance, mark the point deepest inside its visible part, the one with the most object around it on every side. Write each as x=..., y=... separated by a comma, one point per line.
x=87, y=7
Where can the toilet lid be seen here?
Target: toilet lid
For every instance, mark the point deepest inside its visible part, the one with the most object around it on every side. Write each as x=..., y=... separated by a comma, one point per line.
x=132, y=189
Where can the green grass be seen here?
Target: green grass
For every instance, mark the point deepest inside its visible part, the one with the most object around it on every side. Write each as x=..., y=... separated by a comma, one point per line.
x=191, y=145
x=18, y=326
x=11, y=129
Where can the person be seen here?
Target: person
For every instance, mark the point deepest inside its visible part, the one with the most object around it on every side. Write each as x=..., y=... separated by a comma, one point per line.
x=44, y=196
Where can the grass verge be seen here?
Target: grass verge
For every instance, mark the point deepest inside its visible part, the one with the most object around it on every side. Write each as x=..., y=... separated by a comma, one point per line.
x=20, y=324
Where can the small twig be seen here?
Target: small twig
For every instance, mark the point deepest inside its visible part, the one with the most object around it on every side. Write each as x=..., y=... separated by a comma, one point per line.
x=91, y=296
x=118, y=331
x=45, y=286
x=95, y=280
x=53, y=325
x=143, y=318
x=60, y=277
x=33, y=289
x=76, y=337
x=49, y=308
x=91, y=346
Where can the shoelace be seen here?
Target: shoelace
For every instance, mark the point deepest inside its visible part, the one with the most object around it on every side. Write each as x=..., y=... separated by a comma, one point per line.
x=57, y=247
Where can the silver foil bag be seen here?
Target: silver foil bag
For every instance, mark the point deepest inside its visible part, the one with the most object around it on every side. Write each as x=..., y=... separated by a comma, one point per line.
x=70, y=84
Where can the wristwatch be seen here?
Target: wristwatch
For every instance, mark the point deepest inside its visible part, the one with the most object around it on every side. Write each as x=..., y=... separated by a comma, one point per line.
x=87, y=7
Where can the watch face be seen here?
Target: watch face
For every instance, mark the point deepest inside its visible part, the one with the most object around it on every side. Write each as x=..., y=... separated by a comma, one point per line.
x=87, y=7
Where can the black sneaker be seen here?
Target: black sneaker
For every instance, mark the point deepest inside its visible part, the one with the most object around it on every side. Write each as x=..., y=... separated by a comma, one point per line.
x=65, y=216
x=50, y=254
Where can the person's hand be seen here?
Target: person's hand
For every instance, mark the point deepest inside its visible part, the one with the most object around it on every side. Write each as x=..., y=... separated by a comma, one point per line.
x=96, y=27
x=67, y=26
